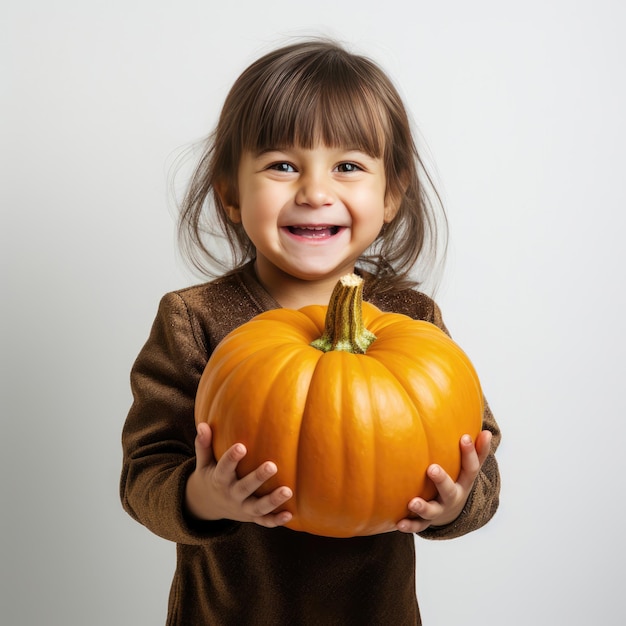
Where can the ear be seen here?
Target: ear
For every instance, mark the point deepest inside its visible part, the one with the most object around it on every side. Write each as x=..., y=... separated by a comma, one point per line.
x=392, y=206
x=234, y=213
x=226, y=197
x=394, y=195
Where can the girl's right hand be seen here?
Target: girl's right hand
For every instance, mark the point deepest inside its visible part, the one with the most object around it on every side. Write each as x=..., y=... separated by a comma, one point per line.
x=214, y=491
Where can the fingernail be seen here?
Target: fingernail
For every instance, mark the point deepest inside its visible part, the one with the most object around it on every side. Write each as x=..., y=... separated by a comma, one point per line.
x=466, y=439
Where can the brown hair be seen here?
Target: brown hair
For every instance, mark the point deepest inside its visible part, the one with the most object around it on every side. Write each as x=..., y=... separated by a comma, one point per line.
x=298, y=95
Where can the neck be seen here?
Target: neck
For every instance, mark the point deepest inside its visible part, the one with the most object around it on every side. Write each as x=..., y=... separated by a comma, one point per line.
x=292, y=292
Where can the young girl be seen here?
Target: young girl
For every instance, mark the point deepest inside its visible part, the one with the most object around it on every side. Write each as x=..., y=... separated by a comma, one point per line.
x=313, y=173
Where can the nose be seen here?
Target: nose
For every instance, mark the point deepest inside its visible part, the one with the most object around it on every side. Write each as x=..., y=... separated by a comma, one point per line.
x=314, y=190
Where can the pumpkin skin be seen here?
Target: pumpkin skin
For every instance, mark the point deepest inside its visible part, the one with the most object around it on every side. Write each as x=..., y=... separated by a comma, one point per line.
x=351, y=434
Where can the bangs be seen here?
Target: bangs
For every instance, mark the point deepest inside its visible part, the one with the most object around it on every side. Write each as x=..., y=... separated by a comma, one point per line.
x=326, y=102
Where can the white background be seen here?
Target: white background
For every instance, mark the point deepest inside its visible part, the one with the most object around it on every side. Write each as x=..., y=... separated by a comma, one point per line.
x=522, y=107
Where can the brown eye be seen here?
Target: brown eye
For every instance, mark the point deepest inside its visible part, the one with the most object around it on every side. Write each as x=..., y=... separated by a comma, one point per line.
x=282, y=167
x=348, y=167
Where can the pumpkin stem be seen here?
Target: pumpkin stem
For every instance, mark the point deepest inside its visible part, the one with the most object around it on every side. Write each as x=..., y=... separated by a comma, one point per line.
x=344, y=329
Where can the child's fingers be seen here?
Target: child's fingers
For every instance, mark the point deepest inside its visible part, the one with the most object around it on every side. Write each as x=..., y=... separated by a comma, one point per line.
x=451, y=496
x=264, y=506
x=472, y=457
x=483, y=445
x=245, y=487
x=225, y=473
x=446, y=487
x=280, y=519
x=425, y=510
x=410, y=525
x=204, y=451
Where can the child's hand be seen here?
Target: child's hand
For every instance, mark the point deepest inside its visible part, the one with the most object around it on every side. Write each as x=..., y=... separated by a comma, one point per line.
x=449, y=503
x=215, y=492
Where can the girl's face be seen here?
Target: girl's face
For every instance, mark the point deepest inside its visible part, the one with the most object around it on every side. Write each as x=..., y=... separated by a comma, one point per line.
x=310, y=213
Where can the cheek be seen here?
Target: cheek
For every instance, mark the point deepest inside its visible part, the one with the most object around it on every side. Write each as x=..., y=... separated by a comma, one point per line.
x=369, y=205
x=260, y=198
x=259, y=214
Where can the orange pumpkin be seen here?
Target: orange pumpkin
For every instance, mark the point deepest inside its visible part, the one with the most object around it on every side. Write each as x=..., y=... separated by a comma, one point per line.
x=352, y=404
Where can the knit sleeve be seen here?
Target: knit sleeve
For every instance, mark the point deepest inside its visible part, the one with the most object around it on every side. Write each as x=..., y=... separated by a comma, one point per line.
x=158, y=436
x=484, y=498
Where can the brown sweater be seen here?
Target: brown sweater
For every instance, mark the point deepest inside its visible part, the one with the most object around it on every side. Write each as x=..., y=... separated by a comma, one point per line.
x=240, y=573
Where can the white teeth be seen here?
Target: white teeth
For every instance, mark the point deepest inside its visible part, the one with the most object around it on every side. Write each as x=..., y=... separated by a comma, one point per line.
x=315, y=231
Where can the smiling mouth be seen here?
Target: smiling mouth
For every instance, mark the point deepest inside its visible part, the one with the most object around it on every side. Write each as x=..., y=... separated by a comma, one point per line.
x=314, y=232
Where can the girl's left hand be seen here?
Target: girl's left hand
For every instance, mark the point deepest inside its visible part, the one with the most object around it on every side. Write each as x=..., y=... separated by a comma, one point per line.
x=451, y=498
